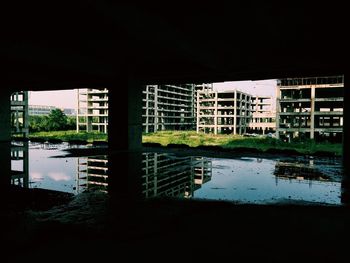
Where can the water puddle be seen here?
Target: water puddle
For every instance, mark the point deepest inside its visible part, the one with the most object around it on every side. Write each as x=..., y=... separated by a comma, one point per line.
x=242, y=180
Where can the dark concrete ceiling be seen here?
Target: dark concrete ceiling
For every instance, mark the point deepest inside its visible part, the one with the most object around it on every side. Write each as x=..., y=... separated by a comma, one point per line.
x=95, y=43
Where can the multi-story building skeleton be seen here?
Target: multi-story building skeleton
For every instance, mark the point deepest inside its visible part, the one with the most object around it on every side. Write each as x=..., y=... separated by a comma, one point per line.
x=263, y=119
x=168, y=107
x=92, y=112
x=19, y=114
x=310, y=108
x=226, y=112
x=19, y=130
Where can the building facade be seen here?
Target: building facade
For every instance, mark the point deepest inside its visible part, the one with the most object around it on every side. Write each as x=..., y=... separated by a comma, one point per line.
x=92, y=112
x=43, y=110
x=263, y=118
x=165, y=107
x=226, y=112
x=19, y=130
x=310, y=108
x=19, y=114
x=168, y=107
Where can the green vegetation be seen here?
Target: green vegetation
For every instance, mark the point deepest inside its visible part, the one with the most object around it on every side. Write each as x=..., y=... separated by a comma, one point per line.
x=69, y=136
x=55, y=121
x=193, y=139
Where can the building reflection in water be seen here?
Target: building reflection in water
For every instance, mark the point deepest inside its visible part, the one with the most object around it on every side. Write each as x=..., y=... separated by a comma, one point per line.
x=162, y=175
x=306, y=171
x=20, y=164
x=92, y=173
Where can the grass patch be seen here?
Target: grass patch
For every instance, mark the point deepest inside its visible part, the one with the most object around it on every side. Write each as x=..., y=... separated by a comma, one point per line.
x=70, y=136
x=193, y=139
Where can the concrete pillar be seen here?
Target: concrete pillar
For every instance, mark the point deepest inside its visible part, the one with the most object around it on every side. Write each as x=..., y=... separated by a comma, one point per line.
x=278, y=110
x=5, y=140
x=26, y=114
x=345, y=185
x=146, y=108
x=77, y=111
x=26, y=164
x=155, y=108
x=197, y=113
x=125, y=122
x=216, y=113
x=235, y=114
x=125, y=141
x=312, y=123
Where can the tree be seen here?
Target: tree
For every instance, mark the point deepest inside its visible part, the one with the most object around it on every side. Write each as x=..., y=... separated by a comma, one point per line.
x=71, y=123
x=37, y=123
x=56, y=120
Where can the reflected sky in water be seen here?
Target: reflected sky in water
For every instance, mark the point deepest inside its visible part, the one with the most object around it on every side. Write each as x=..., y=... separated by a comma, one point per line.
x=50, y=173
x=252, y=180
x=244, y=180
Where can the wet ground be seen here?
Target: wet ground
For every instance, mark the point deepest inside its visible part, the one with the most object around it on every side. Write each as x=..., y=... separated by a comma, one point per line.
x=94, y=226
x=240, y=179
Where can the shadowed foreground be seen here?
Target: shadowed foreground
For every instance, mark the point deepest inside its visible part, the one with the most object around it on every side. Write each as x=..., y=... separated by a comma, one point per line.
x=92, y=227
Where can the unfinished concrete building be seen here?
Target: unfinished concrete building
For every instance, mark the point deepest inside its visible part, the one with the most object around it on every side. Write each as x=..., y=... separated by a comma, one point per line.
x=168, y=107
x=19, y=130
x=225, y=112
x=165, y=107
x=92, y=112
x=20, y=164
x=310, y=108
x=263, y=119
x=92, y=173
x=173, y=177
x=19, y=114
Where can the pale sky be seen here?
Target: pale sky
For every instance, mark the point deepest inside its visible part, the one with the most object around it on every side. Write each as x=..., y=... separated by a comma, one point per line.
x=258, y=87
x=59, y=98
x=68, y=98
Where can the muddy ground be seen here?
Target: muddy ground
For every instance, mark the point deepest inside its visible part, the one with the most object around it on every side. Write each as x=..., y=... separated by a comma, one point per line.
x=47, y=226
x=96, y=227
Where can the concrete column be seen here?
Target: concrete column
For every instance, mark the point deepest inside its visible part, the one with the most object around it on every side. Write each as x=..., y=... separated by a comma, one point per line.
x=197, y=113
x=155, y=108
x=5, y=140
x=216, y=113
x=125, y=122
x=125, y=141
x=235, y=114
x=25, y=165
x=312, y=123
x=146, y=110
x=26, y=114
x=345, y=185
x=278, y=110
x=77, y=109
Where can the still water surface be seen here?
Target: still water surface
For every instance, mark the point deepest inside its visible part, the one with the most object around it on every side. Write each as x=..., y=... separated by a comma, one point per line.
x=244, y=180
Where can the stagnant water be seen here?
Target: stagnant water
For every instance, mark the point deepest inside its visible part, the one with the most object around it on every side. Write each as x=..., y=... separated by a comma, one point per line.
x=243, y=180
